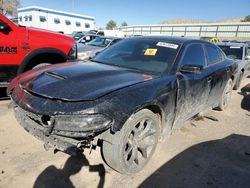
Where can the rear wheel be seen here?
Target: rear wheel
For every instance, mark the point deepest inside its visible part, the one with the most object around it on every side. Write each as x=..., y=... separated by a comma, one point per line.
x=133, y=146
x=226, y=96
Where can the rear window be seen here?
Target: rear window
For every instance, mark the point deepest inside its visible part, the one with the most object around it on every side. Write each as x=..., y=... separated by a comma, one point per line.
x=233, y=52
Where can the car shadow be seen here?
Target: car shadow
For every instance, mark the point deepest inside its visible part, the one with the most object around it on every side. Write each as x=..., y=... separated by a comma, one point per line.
x=58, y=178
x=245, y=92
x=221, y=163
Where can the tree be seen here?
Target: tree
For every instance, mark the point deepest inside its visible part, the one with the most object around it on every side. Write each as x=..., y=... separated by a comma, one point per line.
x=246, y=19
x=9, y=7
x=124, y=24
x=111, y=25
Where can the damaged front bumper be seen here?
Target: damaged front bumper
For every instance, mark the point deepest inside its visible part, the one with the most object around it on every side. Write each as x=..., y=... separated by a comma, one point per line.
x=69, y=142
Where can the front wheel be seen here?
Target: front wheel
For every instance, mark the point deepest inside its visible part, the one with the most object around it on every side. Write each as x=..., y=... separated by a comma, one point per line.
x=226, y=96
x=133, y=146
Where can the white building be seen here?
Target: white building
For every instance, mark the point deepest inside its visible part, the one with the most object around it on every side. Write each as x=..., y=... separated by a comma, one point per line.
x=54, y=20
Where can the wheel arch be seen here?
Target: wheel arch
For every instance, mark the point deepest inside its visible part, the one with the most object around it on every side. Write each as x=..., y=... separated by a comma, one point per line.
x=157, y=109
x=39, y=52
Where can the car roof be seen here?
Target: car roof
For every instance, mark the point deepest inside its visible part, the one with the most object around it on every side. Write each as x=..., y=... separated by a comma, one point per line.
x=107, y=37
x=180, y=40
x=236, y=44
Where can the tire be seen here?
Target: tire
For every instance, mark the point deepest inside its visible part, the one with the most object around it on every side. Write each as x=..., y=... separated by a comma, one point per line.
x=41, y=65
x=238, y=81
x=133, y=146
x=226, y=96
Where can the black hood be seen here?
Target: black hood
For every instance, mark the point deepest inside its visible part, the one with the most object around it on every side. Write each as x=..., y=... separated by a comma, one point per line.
x=80, y=81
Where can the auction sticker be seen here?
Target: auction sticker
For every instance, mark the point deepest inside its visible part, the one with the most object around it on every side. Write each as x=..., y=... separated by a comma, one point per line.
x=151, y=51
x=167, y=45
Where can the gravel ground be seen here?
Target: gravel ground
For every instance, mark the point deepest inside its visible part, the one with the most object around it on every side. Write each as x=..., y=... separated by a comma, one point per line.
x=206, y=153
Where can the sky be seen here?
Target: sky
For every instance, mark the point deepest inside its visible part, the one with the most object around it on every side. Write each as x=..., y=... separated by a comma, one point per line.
x=148, y=11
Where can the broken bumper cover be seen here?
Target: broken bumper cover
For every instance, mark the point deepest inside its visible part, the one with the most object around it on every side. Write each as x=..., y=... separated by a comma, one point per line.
x=66, y=141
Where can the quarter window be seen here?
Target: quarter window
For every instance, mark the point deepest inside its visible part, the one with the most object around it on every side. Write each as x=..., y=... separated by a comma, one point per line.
x=194, y=55
x=213, y=55
x=42, y=19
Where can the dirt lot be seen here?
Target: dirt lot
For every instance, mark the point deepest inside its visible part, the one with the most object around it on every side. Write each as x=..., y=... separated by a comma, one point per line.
x=204, y=154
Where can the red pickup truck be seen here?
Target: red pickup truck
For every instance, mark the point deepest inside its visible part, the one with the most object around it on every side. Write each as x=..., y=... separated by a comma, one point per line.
x=23, y=48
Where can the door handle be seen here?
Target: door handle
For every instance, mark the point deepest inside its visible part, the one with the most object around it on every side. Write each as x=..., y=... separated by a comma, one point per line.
x=209, y=79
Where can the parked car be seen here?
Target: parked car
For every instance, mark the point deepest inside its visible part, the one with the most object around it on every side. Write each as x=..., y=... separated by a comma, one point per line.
x=125, y=99
x=111, y=33
x=87, y=38
x=77, y=35
x=97, y=45
x=23, y=48
x=240, y=52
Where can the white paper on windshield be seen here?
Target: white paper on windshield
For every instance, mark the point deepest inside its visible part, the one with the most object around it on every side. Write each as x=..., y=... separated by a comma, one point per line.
x=167, y=45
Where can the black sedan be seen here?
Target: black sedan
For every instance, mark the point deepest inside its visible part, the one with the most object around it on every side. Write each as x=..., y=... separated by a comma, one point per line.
x=125, y=99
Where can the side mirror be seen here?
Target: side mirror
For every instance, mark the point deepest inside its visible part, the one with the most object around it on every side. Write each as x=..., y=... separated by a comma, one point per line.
x=195, y=69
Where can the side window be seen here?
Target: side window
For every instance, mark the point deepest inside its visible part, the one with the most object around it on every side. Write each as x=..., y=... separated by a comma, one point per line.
x=57, y=21
x=213, y=55
x=42, y=19
x=194, y=55
x=87, y=25
x=67, y=22
x=248, y=51
x=78, y=24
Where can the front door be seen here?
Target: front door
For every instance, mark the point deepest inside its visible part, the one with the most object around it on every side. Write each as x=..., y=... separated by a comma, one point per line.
x=8, y=51
x=194, y=88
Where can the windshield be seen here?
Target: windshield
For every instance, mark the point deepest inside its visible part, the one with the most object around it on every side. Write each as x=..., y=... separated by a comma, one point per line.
x=78, y=35
x=147, y=55
x=100, y=42
x=233, y=52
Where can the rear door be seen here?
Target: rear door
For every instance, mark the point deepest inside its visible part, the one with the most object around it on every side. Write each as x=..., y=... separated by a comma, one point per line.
x=193, y=88
x=216, y=60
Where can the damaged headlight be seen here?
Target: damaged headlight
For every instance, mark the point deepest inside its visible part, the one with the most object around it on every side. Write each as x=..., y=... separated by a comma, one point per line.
x=81, y=123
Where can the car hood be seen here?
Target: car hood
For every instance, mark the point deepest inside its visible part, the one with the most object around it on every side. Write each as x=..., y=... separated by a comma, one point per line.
x=85, y=48
x=35, y=32
x=78, y=81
